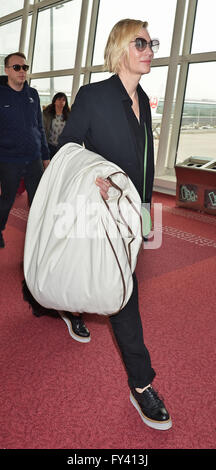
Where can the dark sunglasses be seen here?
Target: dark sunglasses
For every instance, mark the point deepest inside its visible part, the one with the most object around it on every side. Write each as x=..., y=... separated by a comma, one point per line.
x=18, y=67
x=141, y=44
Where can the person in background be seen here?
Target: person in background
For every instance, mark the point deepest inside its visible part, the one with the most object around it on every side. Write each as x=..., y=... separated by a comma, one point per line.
x=23, y=147
x=55, y=116
x=24, y=151
x=113, y=119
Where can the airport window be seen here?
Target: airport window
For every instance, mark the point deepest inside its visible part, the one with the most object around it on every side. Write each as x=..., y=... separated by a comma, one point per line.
x=8, y=7
x=198, y=125
x=53, y=47
x=204, y=38
x=112, y=11
x=9, y=40
x=48, y=87
x=56, y=37
x=154, y=84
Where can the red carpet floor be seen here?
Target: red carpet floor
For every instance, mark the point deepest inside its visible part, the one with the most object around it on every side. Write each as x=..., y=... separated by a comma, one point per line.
x=57, y=393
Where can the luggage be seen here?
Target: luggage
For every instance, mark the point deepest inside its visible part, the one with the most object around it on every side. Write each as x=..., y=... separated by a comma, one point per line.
x=80, y=250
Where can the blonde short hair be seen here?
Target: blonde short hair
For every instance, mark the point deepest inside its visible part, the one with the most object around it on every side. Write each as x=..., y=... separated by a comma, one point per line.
x=119, y=38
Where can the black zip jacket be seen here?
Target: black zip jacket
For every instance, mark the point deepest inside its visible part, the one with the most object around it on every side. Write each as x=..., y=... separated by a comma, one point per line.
x=22, y=136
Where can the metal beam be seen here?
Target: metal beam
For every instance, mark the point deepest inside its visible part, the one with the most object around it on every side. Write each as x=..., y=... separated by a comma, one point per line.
x=47, y=3
x=199, y=57
x=11, y=17
x=79, y=50
x=170, y=87
x=24, y=26
x=91, y=40
x=32, y=39
x=173, y=147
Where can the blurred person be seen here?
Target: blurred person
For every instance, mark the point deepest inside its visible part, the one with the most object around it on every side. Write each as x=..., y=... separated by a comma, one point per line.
x=23, y=144
x=113, y=119
x=23, y=147
x=55, y=116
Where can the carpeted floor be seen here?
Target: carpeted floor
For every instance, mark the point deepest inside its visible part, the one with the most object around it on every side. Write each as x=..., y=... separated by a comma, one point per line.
x=57, y=393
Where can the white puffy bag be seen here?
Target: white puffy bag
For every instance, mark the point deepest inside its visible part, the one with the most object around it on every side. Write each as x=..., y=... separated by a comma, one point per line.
x=80, y=250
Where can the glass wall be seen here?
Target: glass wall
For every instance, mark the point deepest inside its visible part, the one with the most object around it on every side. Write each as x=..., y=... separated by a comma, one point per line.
x=9, y=40
x=57, y=31
x=9, y=6
x=154, y=84
x=204, y=38
x=48, y=87
x=112, y=11
x=198, y=124
x=51, y=45
x=9, y=37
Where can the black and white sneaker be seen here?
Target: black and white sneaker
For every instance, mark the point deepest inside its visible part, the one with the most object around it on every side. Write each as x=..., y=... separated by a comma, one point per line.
x=151, y=409
x=76, y=327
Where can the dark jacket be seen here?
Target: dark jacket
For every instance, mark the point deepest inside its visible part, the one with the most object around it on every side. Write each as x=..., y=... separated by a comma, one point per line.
x=22, y=136
x=98, y=119
x=47, y=122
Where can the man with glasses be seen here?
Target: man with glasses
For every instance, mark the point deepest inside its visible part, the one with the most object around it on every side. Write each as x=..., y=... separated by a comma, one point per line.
x=23, y=143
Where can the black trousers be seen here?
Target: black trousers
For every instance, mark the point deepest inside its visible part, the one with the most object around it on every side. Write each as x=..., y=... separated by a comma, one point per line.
x=128, y=331
x=10, y=177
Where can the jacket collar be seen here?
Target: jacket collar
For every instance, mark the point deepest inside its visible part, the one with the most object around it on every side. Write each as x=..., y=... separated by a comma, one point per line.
x=122, y=90
x=4, y=82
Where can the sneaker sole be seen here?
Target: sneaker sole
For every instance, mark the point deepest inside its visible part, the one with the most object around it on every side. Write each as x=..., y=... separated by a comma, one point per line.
x=73, y=335
x=160, y=425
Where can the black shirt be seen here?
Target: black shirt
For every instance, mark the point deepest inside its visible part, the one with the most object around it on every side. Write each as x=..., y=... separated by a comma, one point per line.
x=137, y=130
x=138, y=133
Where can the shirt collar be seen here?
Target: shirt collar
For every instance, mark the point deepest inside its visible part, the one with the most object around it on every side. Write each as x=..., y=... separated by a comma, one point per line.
x=120, y=87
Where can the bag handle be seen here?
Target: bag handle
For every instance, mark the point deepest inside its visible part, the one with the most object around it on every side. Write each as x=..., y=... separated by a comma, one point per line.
x=130, y=202
x=128, y=253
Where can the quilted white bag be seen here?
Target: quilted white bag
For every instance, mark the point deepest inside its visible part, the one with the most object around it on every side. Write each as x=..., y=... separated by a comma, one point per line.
x=80, y=250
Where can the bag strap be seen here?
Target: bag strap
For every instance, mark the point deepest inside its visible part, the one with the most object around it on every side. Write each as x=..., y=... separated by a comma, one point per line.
x=128, y=253
x=145, y=162
x=122, y=217
x=146, y=217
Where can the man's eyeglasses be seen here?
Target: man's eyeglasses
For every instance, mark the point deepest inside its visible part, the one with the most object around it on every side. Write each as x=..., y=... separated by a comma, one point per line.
x=141, y=44
x=18, y=67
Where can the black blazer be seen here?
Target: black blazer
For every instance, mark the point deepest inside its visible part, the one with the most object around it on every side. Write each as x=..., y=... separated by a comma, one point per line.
x=98, y=119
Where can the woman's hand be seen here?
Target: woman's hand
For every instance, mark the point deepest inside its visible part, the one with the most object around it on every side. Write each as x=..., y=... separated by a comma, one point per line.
x=104, y=186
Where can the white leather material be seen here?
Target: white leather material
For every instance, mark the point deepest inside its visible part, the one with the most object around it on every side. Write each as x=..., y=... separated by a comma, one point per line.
x=81, y=251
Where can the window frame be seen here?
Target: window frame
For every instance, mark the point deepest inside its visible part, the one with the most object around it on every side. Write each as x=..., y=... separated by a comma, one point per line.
x=165, y=180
